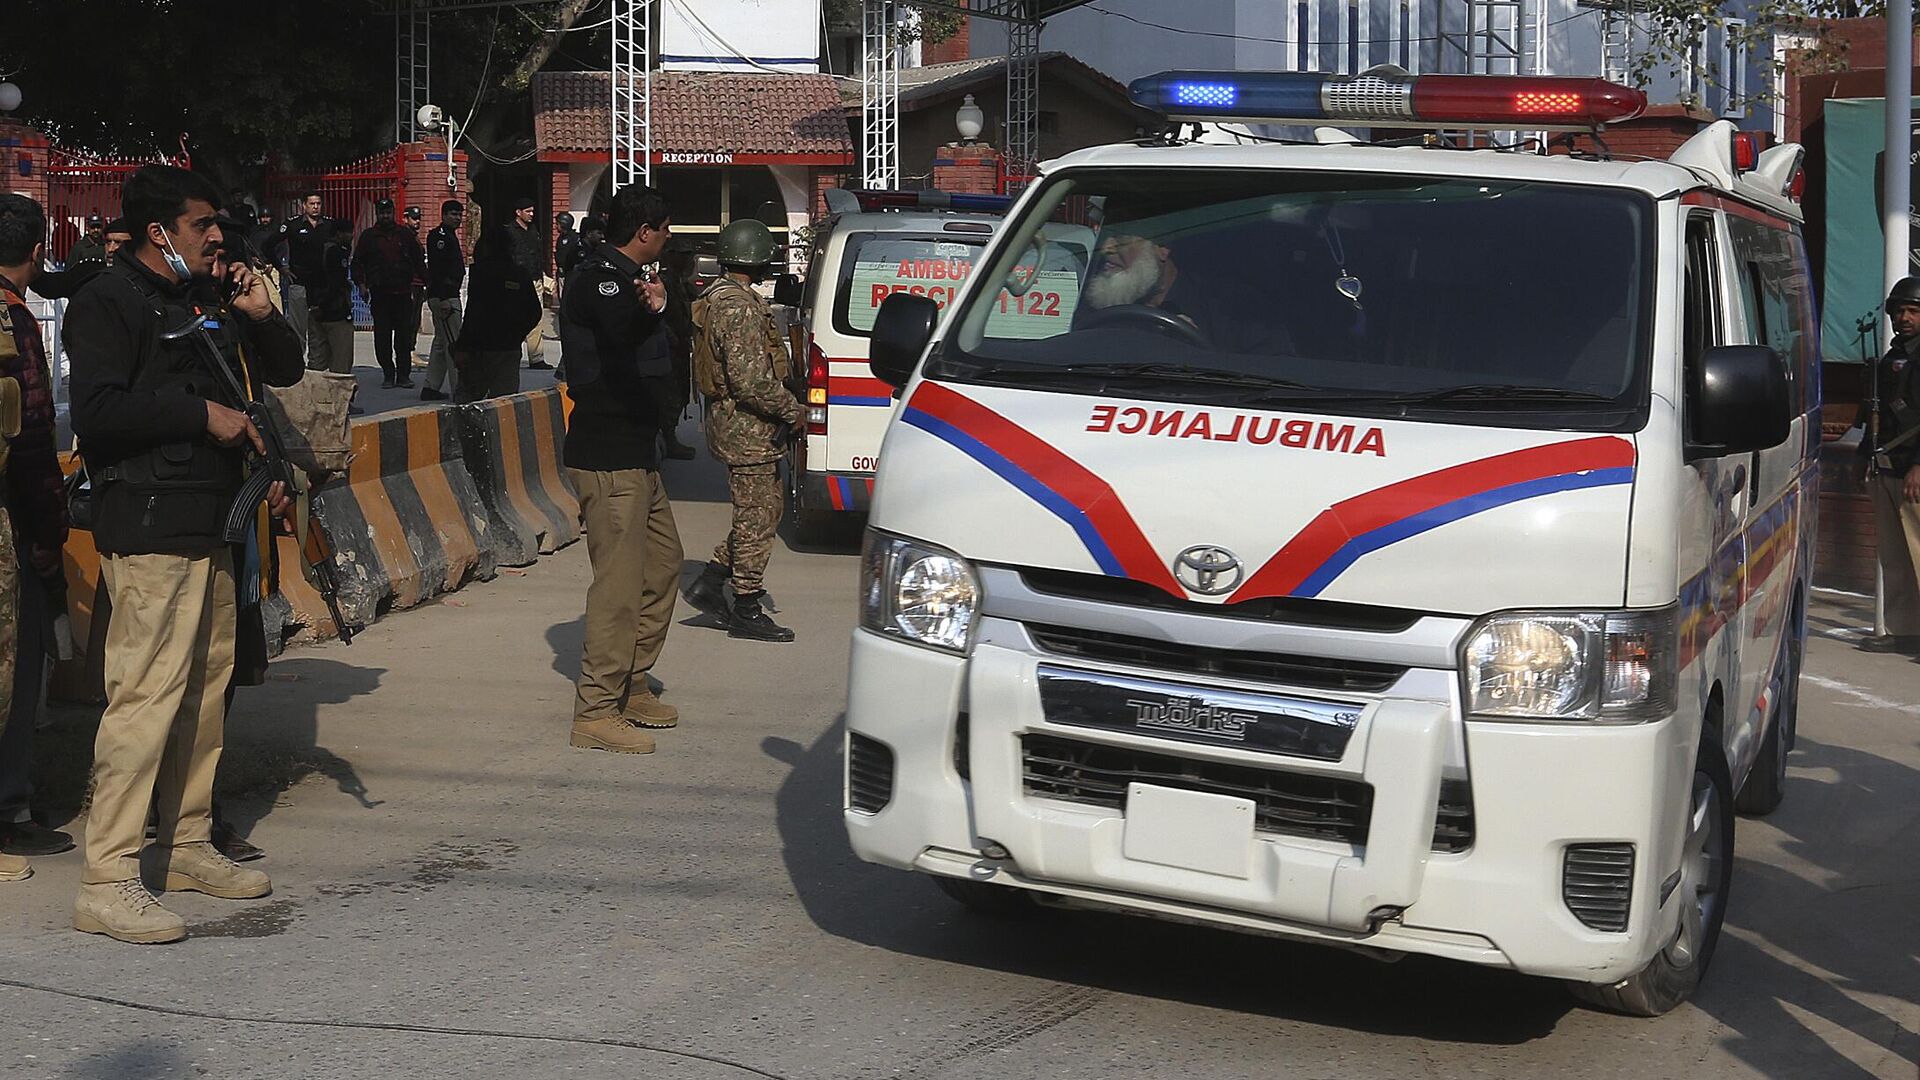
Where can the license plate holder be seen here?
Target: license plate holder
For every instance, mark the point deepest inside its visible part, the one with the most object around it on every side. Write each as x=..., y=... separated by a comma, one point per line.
x=1189, y=830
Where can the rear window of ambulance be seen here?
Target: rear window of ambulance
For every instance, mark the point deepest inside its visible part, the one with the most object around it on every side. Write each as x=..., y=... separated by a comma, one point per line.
x=874, y=266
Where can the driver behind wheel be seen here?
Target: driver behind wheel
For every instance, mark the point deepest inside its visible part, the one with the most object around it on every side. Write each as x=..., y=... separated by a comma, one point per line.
x=1134, y=270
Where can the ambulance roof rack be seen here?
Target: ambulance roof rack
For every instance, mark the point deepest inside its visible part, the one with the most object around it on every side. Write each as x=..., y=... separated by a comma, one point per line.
x=1390, y=97
x=850, y=201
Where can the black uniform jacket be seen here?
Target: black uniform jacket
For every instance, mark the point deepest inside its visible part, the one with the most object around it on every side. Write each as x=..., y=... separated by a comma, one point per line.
x=618, y=357
x=161, y=485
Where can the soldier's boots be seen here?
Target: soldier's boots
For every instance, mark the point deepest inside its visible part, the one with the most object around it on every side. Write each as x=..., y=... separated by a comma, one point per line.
x=616, y=734
x=750, y=620
x=711, y=593
x=201, y=868
x=126, y=911
x=14, y=868
x=647, y=710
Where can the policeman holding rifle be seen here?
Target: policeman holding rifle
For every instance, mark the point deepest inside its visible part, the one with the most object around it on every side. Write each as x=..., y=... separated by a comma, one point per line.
x=165, y=438
x=1892, y=449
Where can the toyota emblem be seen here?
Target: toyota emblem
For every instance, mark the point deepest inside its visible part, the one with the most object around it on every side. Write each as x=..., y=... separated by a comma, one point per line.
x=1207, y=570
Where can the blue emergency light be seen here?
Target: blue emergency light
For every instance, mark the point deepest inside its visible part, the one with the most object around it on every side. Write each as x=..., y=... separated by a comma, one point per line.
x=1389, y=97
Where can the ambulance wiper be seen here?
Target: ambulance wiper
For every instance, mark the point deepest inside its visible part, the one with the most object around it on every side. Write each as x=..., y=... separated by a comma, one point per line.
x=1506, y=392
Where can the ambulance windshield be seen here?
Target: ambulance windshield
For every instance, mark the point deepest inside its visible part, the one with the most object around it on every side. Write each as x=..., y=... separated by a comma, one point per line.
x=1407, y=292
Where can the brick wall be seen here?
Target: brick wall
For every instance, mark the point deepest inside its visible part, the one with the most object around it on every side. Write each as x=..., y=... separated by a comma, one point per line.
x=822, y=180
x=954, y=47
x=968, y=167
x=23, y=147
x=1655, y=134
x=423, y=179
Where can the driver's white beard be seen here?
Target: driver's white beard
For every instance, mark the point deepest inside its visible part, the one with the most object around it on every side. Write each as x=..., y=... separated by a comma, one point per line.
x=1126, y=286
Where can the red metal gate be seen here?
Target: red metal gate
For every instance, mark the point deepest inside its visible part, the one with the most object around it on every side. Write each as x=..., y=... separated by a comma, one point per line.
x=78, y=186
x=348, y=191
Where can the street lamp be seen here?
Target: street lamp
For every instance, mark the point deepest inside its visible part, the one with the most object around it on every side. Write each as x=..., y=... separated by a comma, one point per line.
x=9, y=97
x=969, y=120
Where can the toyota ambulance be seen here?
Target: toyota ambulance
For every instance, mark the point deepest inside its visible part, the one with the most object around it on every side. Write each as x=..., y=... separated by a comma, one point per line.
x=876, y=244
x=1401, y=547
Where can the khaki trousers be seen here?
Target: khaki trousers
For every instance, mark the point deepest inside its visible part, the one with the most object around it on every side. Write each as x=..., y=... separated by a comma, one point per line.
x=1897, y=522
x=635, y=551
x=169, y=656
x=330, y=347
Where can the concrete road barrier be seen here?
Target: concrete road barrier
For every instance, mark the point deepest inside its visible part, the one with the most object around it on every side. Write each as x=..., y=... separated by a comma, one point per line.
x=435, y=497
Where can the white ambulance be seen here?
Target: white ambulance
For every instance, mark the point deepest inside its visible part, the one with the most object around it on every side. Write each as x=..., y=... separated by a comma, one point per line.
x=876, y=244
x=1402, y=548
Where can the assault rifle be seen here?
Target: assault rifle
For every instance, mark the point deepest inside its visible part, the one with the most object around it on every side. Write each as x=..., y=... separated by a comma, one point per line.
x=272, y=468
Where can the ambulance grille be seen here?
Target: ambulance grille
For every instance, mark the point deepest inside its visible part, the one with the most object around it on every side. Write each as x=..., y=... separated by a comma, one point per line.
x=869, y=774
x=1288, y=804
x=1596, y=881
x=1312, y=671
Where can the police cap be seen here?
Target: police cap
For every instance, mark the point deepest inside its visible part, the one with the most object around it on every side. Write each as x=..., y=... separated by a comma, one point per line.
x=383, y=207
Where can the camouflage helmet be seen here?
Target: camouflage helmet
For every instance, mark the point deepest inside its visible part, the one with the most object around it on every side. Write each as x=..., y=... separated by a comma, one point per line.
x=747, y=243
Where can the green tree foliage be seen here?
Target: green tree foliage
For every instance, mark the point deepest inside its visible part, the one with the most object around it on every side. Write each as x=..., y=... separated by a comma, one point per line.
x=308, y=85
x=1669, y=31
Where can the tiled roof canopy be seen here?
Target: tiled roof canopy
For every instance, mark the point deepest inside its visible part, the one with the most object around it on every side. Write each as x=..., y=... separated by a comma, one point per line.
x=697, y=112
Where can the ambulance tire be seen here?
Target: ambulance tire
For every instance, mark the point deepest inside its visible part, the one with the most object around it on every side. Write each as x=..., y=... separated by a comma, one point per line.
x=986, y=898
x=1676, y=970
x=1766, y=784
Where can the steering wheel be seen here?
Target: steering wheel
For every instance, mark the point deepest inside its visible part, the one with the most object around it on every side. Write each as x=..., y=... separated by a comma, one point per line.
x=1147, y=317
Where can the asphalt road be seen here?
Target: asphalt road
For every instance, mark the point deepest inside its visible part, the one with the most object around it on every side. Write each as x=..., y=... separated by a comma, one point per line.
x=458, y=893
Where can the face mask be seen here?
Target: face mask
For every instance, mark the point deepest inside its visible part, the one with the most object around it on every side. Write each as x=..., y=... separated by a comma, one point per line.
x=174, y=262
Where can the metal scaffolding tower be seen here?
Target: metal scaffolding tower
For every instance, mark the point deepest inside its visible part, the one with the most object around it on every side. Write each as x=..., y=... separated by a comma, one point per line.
x=1023, y=91
x=632, y=94
x=1492, y=41
x=412, y=68
x=1616, y=37
x=879, y=95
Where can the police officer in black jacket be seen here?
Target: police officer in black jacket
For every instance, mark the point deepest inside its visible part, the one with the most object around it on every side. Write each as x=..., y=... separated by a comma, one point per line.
x=618, y=355
x=165, y=442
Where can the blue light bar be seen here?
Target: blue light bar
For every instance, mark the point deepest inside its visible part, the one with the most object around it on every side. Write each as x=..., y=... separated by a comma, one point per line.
x=1226, y=96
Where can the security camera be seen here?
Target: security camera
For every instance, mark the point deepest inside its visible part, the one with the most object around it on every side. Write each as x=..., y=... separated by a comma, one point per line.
x=430, y=117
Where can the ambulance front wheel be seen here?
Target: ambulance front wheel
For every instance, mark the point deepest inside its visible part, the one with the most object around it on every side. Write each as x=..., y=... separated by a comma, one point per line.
x=1706, y=872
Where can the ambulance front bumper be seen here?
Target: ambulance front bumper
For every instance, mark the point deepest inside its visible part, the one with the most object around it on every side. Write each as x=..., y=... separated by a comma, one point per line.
x=973, y=762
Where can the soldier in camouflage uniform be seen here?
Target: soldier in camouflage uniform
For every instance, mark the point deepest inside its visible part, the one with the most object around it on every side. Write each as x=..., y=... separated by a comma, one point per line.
x=740, y=364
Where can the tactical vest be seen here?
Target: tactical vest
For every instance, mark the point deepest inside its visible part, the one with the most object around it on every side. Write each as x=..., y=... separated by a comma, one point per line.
x=709, y=373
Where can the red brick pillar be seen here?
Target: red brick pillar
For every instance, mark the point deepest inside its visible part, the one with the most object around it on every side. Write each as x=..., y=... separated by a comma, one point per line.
x=24, y=154
x=973, y=168
x=822, y=180
x=559, y=189
x=423, y=179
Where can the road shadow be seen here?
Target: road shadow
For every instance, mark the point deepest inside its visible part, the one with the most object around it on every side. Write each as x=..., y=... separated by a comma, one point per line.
x=272, y=743
x=1798, y=954
x=273, y=737
x=903, y=913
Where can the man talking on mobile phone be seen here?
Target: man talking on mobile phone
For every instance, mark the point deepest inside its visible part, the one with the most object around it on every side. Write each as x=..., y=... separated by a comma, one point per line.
x=165, y=442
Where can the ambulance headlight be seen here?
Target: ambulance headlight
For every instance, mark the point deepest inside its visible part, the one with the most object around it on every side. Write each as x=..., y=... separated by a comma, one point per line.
x=919, y=592
x=1600, y=666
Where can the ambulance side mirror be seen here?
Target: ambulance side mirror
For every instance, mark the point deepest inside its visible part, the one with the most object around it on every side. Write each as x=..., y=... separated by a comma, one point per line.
x=1738, y=402
x=900, y=334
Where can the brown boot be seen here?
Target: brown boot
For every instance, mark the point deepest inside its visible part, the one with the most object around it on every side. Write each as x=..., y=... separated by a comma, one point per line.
x=14, y=868
x=615, y=733
x=201, y=868
x=126, y=911
x=647, y=710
